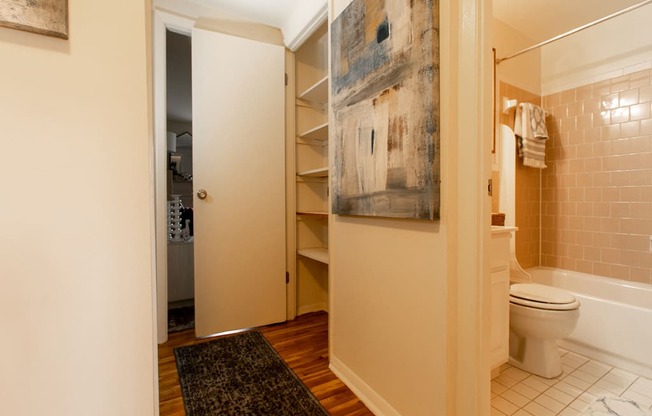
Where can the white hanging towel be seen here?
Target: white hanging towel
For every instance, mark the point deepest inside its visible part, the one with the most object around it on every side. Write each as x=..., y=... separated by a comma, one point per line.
x=531, y=134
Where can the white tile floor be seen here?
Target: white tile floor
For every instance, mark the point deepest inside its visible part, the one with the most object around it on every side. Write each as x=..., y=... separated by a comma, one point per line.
x=518, y=393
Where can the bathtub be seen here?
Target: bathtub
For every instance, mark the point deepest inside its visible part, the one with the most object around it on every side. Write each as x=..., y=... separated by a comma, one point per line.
x=615, y=324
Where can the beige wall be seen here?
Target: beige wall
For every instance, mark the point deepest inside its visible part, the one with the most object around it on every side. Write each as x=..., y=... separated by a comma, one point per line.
x=75, y=267
x=407, y=300
x=524, y=71
x=597, y=190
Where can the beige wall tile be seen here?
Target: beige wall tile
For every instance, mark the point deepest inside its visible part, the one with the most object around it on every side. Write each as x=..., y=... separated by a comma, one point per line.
x=642, y=275
x=596, y=196
x=640, y=111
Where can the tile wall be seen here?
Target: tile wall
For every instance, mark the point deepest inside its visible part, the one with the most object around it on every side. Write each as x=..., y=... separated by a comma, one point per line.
x=527, y=188
x=597, y=190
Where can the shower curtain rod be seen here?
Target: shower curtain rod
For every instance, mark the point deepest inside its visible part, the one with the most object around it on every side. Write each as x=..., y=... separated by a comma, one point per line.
x=571, y=32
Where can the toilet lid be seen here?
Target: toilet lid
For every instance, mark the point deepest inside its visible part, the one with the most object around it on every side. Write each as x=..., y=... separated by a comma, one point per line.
x=542, y=297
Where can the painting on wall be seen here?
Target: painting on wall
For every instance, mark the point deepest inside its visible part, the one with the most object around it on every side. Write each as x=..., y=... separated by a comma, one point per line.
x=385, y=100
x=47, y=17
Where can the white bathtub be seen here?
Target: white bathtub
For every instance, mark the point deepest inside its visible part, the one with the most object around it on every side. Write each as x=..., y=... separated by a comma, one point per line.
x=615, y=324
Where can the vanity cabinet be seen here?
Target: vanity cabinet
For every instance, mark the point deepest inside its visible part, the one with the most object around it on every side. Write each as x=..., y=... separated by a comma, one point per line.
x=499, y=304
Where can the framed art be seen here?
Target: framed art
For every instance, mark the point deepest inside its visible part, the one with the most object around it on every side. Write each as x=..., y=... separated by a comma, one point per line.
x=385, y=101
x=46, y=17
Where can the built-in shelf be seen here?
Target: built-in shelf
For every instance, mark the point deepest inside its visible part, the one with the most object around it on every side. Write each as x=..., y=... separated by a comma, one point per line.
x=321, y=214
x=309, y=265
x=316, y=93
x=319, y=254
x=316, y=133
x=314, y=173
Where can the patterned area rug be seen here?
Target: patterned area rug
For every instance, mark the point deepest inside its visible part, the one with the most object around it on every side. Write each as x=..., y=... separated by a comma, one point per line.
x=181, y=318
x=241, y=375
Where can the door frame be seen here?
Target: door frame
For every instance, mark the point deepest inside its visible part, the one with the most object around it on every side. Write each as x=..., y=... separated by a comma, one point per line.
x=162, y=21
x=179, y=22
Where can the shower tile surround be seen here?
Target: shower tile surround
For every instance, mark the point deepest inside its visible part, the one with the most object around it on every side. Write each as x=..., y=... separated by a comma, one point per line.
x=597, y=190
x=596, y=194
x=515, y=392
x=527, y=187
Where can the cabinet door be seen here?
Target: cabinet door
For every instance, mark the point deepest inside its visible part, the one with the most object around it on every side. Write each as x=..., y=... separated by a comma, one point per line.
x=499, y=317
x=239, y=159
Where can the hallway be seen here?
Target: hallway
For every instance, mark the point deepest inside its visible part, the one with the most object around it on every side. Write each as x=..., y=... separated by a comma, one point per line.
x=302, y=343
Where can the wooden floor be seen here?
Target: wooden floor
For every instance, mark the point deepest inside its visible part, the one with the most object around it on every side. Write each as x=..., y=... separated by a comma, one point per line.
x=302, y=343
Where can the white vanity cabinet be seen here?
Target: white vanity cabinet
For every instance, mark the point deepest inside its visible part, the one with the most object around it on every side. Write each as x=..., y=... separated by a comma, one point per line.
x=499, y=339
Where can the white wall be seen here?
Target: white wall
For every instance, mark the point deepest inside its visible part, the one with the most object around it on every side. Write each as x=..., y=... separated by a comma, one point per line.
x=523, y=71
x=616, y=47
x=407, y=297
x=75, y=248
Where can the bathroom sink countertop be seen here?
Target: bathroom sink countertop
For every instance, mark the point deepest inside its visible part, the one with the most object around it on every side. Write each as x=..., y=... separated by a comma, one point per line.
x=497, y=229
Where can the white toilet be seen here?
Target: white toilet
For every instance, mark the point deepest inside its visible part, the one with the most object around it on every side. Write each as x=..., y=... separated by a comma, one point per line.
x=538, y=316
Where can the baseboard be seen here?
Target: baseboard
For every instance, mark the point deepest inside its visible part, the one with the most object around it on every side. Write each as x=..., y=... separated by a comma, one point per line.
x=315, y=307
x=366, y=394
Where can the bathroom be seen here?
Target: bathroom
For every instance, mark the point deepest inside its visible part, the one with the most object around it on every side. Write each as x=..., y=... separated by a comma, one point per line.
x=585, y=220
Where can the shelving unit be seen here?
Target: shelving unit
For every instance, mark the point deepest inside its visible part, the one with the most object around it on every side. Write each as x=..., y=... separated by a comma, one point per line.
x=316, y=92
x=314, y=173
x=322, y=214
x=316, y=133
x=319, y=254
x=311, y=173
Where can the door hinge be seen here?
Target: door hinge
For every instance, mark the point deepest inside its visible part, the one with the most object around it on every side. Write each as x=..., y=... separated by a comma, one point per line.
x=287, y=278
x=490, y=188
x=286, y=79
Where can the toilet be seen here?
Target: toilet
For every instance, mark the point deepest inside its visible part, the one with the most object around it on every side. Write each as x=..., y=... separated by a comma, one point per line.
x=538, y=316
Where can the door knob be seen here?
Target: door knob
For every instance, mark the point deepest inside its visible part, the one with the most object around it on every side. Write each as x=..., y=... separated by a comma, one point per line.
x=202, y=194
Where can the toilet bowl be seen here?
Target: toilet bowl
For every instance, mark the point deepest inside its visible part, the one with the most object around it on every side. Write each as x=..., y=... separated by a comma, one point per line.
x=538, y=316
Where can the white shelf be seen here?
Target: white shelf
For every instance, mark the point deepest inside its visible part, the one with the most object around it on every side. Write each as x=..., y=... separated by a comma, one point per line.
x=314, y=173
x=322, y=214
x=317, y=93
x=316, y=133
x=319, y=254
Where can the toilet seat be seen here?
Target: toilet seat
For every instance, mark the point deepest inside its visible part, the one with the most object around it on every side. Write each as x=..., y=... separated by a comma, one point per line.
x=539, y=296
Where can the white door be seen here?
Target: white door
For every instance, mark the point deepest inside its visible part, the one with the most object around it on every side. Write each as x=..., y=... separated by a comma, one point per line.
x=239, y=160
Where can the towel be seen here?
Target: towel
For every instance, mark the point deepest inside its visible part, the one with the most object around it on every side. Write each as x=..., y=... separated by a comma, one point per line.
x=531, y=133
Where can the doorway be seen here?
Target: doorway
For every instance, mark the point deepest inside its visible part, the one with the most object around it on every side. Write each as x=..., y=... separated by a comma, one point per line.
x=180, y=246
x=163, y=24
x=238, y=147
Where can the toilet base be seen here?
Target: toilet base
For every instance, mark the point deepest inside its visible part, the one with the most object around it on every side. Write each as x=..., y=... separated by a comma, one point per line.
x=536, y=356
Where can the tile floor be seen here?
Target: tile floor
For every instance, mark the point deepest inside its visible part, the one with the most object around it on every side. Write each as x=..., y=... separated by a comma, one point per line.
x=518, y=393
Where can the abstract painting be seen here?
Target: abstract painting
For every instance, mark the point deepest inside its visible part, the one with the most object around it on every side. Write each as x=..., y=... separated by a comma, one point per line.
x=385, y=101
x=47, y=17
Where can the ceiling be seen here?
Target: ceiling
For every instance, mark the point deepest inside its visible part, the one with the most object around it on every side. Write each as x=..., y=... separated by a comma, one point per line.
x=544, y=19
x=270, y=12
x=537, y=19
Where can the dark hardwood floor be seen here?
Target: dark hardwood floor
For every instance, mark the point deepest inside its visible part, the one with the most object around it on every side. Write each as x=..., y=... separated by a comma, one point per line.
x=302, y=343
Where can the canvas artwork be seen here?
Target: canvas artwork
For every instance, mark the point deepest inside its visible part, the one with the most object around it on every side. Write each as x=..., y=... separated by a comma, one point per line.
x=47, y=17
x=385, y=100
